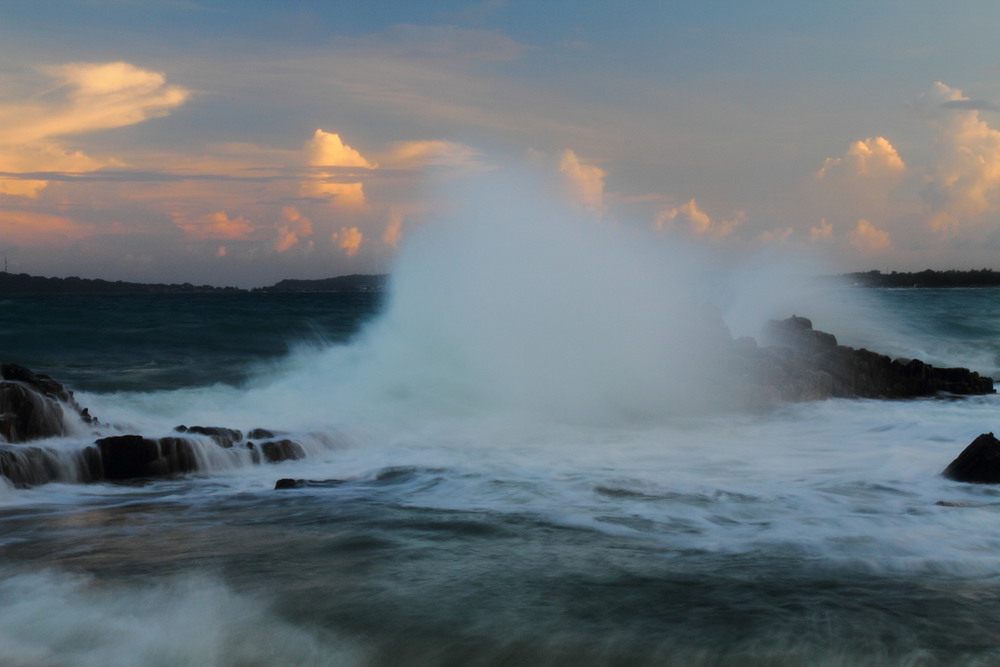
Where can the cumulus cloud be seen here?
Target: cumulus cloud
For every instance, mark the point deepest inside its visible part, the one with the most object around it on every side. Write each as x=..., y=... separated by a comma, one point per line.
x=292, y=229
x=216, y=226
x=349, y=240
x=963, y=184
x=584, y=182
x=871, y=158
x=690, y=218
x=868, y=238
x=327, y=149
x=88, y=97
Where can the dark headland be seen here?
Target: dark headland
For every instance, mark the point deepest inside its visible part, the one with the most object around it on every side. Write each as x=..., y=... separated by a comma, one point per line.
x=22, y=283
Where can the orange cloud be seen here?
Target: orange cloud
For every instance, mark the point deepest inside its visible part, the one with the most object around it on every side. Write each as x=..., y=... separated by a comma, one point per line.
x=394, y=230
x=868, y=238
x=698, y=223
x=30, y=228
x=418, y=154
x=326, y=149
x=584, y=182
x=965, y=180
x=90, y=96
x=872, y=157
x=293, y=229
x=216, y=226
x=348, y=239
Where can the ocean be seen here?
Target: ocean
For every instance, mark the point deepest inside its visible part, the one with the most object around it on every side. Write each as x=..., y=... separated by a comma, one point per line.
x=506, y=467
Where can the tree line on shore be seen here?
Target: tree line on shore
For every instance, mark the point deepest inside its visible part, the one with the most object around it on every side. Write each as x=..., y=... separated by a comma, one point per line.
x=22, y=283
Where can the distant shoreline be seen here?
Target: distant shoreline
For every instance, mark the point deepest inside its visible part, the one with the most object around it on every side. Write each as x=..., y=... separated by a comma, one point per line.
x=24, y=284
x=927, y=278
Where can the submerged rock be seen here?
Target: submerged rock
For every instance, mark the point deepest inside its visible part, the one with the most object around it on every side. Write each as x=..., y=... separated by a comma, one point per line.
x=978, y=463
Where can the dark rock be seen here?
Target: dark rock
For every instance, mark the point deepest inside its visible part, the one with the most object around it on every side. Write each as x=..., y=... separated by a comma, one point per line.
x=133, y=456
x=978, y=463
x=27, y=466
x=281, y=450
x=802, y=364
x=288, y=483
x=32, y=406
x=260, y=434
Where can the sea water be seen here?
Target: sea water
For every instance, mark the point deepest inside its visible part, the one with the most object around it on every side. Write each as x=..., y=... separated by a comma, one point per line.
x=512, y=461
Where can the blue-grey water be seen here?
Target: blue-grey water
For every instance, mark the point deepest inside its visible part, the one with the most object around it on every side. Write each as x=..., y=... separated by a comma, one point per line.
x=488, y=491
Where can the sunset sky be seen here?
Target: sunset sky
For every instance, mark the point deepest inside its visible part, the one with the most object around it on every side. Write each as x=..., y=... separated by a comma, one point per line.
x=241, y=142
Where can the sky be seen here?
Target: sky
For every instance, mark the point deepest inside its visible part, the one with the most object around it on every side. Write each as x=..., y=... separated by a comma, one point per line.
x=242, y=142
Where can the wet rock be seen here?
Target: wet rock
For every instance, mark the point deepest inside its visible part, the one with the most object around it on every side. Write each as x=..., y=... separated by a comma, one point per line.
x=288, y=483
x=804, y=364
x=135, y=457
x=27, y=466
x=281, y=450
x=33, y=406
x=978, y=463
x=260, y=434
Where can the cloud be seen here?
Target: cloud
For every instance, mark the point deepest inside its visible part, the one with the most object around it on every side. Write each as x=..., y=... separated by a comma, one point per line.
x=31, y=228
x=326, y=149
x=432, y=153
x=293, y=228
x=868, y=238
x=963, y=183
x=348, y=239
x=88, y=97
x=697, y=223
x=584, y=182
x=976, y=105
x=776, y=236
x=822, y=232
x=873, y=157
x=216, y=226
x=393, y=233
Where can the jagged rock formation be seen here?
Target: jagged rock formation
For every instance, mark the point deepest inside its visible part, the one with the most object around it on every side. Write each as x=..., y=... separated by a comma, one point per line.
x=978, y=463
x=33, y=406
x=802, y=364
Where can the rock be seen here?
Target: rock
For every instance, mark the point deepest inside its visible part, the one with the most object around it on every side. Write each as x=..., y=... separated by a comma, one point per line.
x=135, y=457
x=281, y=450
x=978, y=463
x=260, y=434
x=803, y=364
x=288, y=483
x=33, y=406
